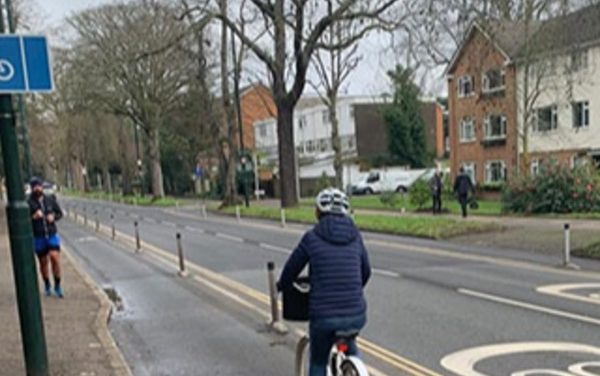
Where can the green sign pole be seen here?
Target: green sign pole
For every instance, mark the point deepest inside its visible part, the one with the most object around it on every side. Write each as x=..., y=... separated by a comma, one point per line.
x=20, y=104
x=21, y=245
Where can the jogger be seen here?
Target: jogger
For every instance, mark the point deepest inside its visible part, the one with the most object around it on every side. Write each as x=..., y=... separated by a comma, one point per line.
x=45, y=211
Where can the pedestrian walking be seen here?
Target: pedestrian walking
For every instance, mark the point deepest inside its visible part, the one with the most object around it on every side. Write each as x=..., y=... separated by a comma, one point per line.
x=462, y=187
x=45, y=212
x=436, y=185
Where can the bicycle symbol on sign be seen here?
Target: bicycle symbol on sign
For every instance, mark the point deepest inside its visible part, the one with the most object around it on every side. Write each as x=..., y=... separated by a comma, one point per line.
x=7, y=71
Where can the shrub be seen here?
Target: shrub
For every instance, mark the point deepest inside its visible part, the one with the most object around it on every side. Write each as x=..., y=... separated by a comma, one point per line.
x=324, y=182
x=556, y=189
x=419, y=193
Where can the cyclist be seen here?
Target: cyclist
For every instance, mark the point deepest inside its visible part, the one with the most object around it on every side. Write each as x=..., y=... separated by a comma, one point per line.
x=44, y=214
x=338, y=271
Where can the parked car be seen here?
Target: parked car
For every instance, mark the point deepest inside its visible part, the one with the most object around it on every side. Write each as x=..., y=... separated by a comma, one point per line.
x=396, y=179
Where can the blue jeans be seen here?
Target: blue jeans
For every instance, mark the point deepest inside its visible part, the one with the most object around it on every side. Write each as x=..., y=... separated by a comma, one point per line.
x=322, y=339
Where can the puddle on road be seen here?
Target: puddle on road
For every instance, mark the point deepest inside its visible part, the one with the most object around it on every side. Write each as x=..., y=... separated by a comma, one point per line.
x=114, y=297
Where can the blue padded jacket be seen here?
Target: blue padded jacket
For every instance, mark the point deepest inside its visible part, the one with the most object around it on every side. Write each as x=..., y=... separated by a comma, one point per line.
x=338, y=268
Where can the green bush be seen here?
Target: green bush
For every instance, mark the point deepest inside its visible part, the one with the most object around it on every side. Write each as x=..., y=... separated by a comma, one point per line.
x=555, y=189
x=419, y=193
x=324, y=182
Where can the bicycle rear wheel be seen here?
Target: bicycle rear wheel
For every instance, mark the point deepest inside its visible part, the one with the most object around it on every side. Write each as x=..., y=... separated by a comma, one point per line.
x=353, y=366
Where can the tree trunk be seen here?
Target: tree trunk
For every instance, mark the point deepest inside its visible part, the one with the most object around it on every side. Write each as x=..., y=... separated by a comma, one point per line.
x=287, y=151
x=336, y=143
x=125, y=161
x=107, y=181
x=77, y=174
x=158, y=189
x=228, y=146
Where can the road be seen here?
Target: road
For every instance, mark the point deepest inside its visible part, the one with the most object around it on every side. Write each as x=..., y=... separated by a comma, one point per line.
x=434, y=308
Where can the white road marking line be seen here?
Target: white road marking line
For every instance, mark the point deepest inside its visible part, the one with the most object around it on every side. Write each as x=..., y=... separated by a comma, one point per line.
x=412, y=248
x=386, y=273
x=561, y=291
x=170, y=224
x=463, y=362
x=194, y=229
x=532, y=307
x=229, y=237
x=275, y=248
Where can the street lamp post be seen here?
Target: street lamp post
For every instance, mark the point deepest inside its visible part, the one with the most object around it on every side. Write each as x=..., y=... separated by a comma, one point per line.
x=21, y=243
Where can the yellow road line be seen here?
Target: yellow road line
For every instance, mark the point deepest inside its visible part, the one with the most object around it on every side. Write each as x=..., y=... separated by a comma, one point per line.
x=368, y=347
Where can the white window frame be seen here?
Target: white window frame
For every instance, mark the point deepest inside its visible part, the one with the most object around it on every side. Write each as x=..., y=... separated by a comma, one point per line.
x=486, y=82
x=488, y=170
x=470, y=169
x=302, y=122
x=262, y=131
x=463, y=123
x=488, y=127
x=460, y=81
x=584, y=121
x=553, y=119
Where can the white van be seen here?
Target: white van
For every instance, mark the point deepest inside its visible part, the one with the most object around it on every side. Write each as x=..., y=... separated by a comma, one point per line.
x=394, y=179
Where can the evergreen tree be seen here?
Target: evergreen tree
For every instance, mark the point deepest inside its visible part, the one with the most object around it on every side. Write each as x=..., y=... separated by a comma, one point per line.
x=405, y=126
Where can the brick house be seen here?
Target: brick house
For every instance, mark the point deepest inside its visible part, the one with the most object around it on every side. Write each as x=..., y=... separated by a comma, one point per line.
x=490, y=113
x=257, y=104
x=482, y=104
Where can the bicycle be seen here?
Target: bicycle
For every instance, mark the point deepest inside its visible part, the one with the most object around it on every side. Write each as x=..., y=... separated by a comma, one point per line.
x=340, y=363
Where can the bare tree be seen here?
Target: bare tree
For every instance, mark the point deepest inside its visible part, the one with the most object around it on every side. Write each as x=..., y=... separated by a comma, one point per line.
x=131, y=63
x=302, y=23
x=333, y=67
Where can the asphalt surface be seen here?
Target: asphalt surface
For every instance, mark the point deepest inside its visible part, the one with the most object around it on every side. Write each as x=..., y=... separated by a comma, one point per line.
x=434, y=307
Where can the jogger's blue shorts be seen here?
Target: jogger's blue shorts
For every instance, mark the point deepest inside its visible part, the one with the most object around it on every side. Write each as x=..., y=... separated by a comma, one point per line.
x=43, y=245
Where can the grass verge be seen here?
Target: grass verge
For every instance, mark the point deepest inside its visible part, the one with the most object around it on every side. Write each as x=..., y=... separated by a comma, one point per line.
x=129, y=200
x=424, y=227
x=373, y=202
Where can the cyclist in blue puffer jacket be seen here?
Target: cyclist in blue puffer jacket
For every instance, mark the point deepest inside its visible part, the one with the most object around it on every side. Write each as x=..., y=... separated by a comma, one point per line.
x=338, y=271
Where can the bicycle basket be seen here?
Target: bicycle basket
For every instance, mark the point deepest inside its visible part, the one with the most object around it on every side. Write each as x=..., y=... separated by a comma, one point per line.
x=295, y=300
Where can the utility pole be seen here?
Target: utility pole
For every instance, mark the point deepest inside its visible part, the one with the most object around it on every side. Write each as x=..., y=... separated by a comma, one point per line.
x=20, y=104
x=21, y=242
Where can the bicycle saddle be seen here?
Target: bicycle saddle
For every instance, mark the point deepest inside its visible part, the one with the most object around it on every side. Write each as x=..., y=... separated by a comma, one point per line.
x=346, y=334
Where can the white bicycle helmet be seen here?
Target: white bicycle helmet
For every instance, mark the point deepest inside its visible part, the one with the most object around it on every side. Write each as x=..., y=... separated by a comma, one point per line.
x=332, y=200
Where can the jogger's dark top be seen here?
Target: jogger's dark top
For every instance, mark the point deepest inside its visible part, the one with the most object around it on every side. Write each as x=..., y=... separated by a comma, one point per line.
x=48, y=205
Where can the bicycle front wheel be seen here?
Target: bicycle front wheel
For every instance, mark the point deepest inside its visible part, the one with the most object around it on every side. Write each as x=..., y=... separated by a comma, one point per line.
x=353, y=366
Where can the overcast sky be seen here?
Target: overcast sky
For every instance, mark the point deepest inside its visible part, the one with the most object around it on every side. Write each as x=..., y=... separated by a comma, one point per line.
x=368, y=79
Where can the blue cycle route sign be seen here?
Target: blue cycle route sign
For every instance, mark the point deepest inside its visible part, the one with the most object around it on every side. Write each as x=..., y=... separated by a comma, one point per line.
x=25, y=64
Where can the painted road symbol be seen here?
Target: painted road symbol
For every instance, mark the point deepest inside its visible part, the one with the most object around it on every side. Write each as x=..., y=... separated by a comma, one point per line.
x=464, y=362
x=568, y=291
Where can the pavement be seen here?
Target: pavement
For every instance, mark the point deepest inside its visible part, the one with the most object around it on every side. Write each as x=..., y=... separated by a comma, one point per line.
x=435, y=307
x=77, y=335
